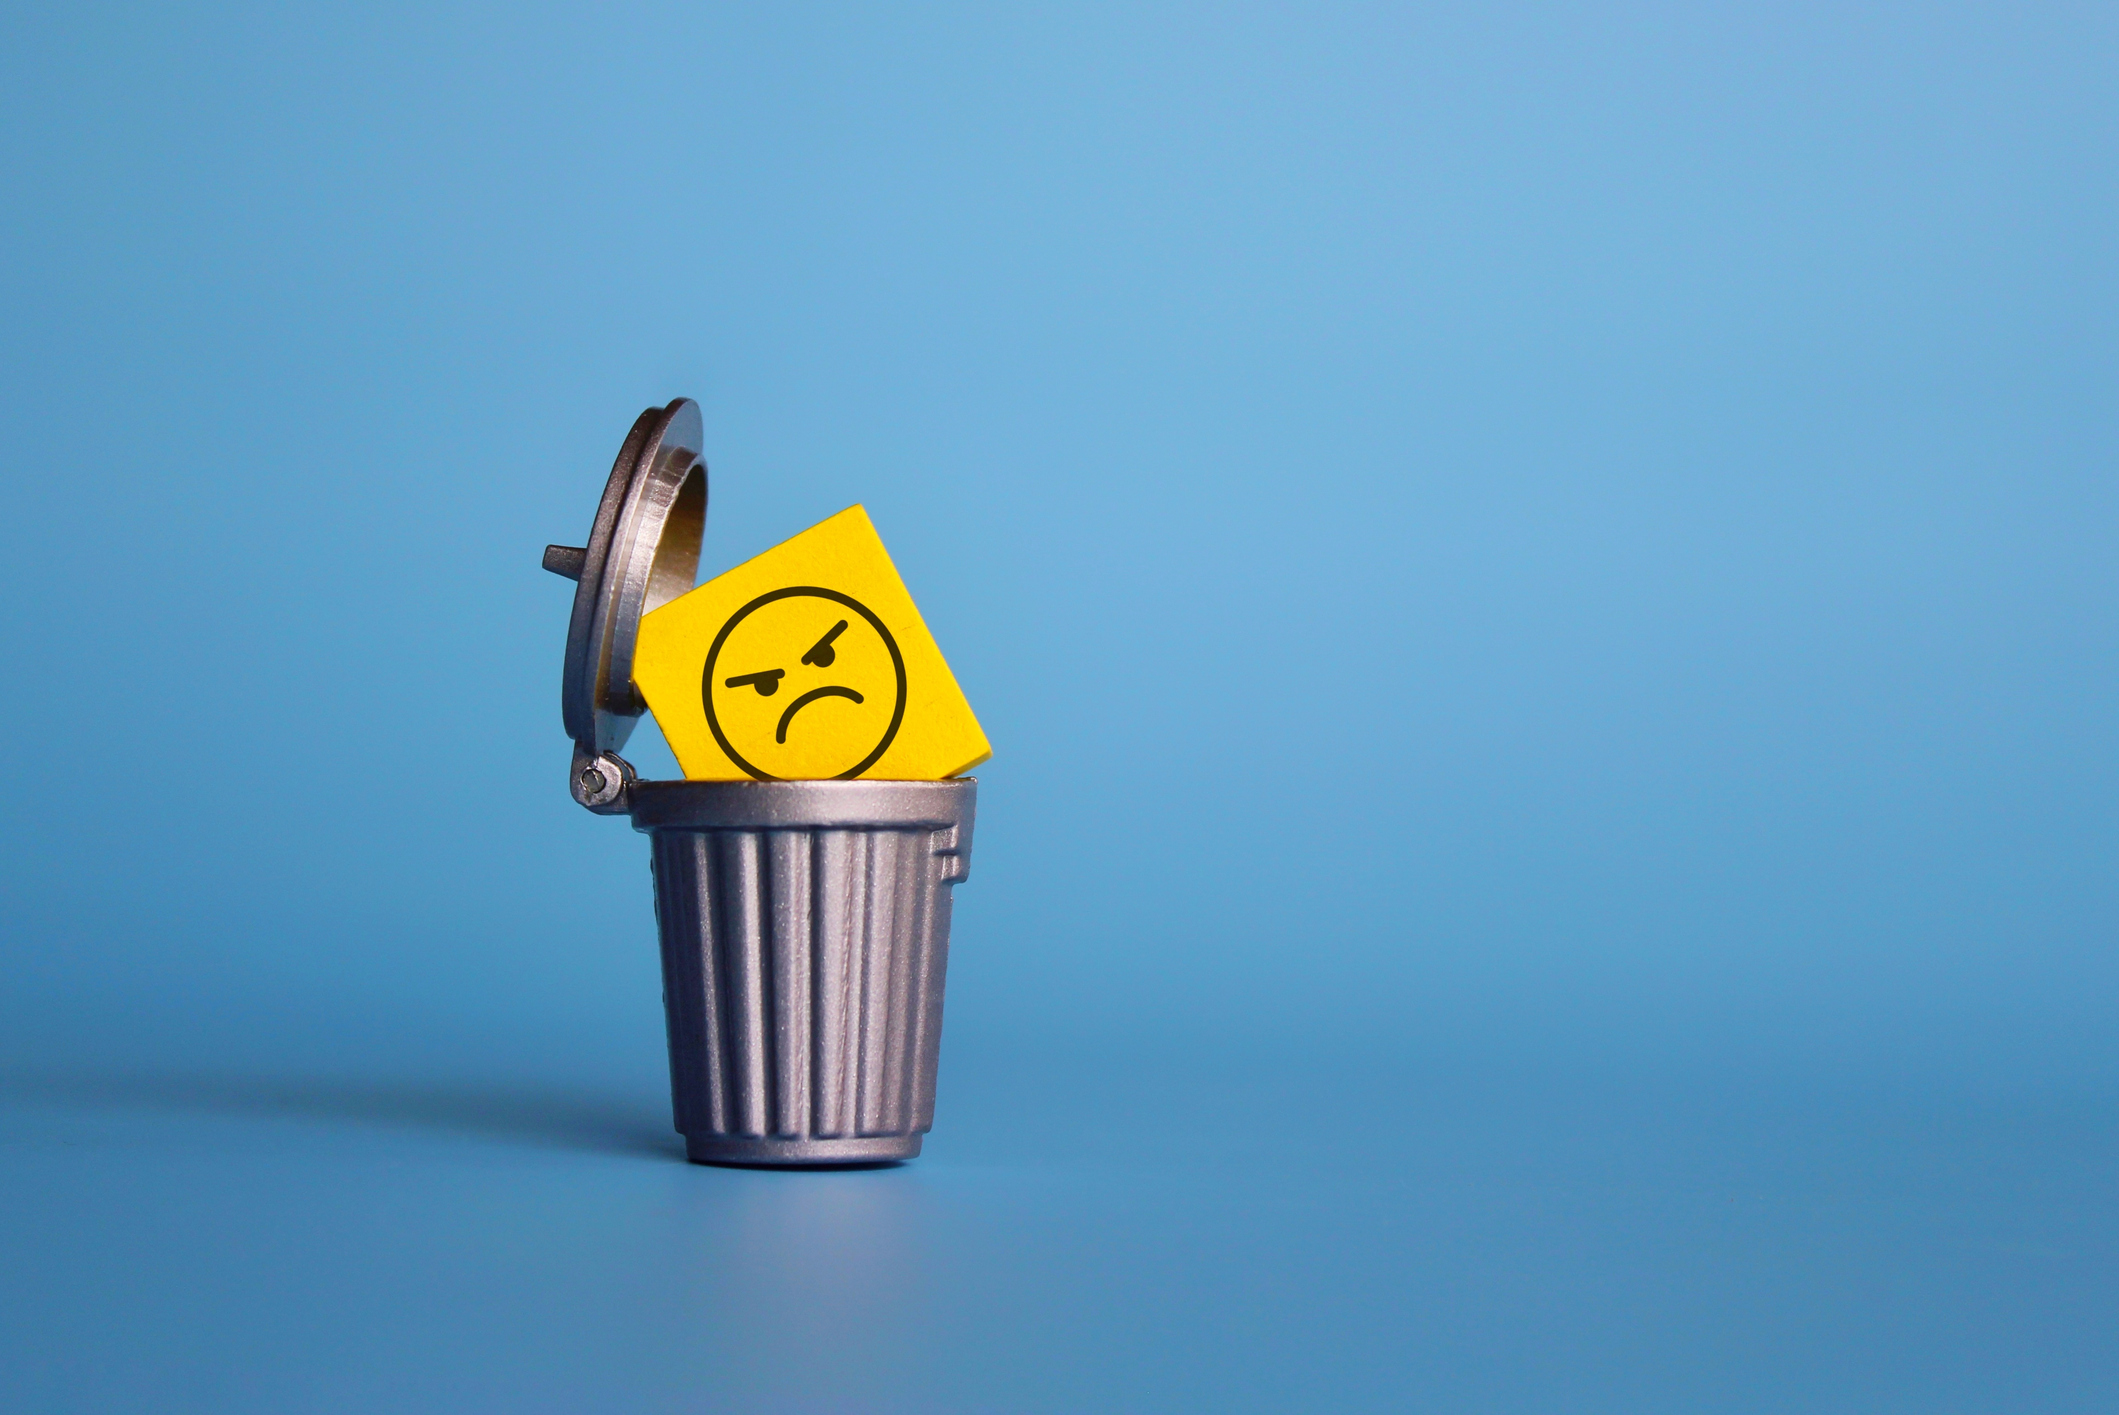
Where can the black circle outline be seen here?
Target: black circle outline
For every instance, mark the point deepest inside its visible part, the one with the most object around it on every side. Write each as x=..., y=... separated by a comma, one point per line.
x=706, y=677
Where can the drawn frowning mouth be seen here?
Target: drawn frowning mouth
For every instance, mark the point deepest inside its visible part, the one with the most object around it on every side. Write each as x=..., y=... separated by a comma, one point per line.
x=804, y=701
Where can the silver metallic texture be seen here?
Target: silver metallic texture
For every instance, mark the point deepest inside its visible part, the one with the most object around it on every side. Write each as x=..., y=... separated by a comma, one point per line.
x=805, y=941
x=643, y=552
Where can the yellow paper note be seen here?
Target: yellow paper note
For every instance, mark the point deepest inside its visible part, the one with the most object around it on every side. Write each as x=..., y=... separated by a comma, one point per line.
x=806, y=663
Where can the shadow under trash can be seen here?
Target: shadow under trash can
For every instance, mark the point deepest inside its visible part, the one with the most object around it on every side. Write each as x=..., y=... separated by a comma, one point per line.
x=804, y=924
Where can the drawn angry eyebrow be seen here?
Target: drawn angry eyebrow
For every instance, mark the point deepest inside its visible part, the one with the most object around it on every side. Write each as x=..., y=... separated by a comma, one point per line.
x=822, y=653
x=767, y=681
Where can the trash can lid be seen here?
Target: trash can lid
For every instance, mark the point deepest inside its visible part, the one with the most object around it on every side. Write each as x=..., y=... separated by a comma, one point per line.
x=643, y=552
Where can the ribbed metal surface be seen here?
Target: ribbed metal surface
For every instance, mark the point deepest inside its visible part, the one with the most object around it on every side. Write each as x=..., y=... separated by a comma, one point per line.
x=802, y=975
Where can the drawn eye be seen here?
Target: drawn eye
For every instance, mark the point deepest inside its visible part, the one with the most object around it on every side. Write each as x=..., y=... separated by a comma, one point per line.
x=822, y=653
x=767, y=682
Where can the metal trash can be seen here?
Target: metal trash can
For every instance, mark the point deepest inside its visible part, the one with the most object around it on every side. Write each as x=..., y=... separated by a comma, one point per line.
x=804, y=924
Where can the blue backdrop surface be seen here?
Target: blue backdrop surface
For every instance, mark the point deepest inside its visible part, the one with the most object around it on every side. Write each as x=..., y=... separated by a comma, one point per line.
x=1541, y=579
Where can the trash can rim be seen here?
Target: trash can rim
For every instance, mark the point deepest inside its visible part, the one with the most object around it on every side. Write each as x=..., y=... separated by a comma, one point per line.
x=802, y=805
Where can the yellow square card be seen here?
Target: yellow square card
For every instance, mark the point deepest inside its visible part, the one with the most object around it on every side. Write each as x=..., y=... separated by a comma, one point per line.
x=806, y=663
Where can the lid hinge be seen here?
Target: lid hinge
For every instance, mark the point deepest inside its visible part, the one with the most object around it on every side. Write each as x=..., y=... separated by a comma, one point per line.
x=603, y=782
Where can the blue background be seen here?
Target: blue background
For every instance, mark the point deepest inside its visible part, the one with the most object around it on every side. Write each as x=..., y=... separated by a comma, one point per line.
x=1541, y=577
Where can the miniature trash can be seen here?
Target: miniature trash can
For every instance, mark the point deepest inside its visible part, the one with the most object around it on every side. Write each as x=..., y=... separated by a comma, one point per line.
x=805, y=938
x=804, y=924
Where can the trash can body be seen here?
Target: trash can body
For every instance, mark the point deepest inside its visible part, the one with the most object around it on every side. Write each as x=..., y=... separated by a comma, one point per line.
x=805, y=941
